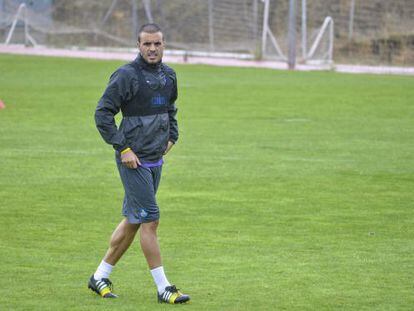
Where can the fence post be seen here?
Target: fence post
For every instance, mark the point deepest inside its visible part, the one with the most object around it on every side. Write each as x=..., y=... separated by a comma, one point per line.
x=265, y=25
x=351, y=20
x=211, y=24
x=134, y=21
x=292, y=35
x=304, y=30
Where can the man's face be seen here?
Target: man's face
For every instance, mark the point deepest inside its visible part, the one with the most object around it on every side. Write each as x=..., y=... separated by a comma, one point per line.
x=151, y=46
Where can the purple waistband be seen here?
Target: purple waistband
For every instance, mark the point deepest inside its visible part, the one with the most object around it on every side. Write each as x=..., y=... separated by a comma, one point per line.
x=152, y=164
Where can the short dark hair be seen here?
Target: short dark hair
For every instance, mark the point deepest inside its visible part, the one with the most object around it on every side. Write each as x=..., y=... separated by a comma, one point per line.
x=149, y=28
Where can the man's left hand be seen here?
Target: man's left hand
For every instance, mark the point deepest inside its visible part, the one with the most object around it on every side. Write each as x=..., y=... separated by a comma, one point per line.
x=169, y=146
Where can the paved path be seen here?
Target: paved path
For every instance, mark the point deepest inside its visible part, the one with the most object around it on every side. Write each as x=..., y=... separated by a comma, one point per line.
x=172, y=58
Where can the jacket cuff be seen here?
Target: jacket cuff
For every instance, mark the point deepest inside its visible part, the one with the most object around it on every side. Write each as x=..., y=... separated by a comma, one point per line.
x=125, y=150
x=120, y=148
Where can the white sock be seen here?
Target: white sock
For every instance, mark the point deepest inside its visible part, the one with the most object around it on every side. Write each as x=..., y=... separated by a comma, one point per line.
x=160, y=279
x=103, y=271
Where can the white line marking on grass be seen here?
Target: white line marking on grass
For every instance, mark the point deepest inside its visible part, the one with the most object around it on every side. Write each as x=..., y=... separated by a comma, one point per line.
x=319, y=160
x=297, y=120
x=51, y=151
x=230, y=158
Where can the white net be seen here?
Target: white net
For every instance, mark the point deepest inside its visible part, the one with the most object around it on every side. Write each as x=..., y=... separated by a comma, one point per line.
x=365, y=31
x=374, y=32
x=207, y=25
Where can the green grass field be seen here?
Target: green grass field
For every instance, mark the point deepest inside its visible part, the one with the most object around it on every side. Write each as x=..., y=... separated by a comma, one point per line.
x=286, y=191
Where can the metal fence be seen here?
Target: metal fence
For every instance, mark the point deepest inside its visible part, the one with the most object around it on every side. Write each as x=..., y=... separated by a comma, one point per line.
x=375, y=32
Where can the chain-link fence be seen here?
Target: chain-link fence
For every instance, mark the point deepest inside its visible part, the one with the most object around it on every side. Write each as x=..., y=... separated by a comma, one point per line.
x=364, y=31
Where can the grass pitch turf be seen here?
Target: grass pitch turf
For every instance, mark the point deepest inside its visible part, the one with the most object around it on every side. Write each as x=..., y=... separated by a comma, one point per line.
x=286, y=191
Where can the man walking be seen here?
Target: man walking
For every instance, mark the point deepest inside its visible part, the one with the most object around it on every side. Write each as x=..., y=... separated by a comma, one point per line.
x=145, y=91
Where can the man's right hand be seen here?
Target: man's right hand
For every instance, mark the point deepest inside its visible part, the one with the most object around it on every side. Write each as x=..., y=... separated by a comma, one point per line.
x=130, y=159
